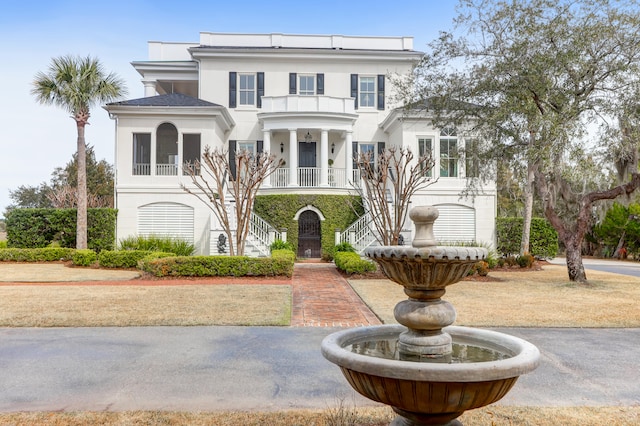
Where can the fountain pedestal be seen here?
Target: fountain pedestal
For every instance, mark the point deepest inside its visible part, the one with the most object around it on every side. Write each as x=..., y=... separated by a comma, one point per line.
x=428, y=371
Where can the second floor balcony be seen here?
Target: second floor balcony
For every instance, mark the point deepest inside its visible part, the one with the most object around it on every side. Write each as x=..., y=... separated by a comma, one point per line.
x=317, y=104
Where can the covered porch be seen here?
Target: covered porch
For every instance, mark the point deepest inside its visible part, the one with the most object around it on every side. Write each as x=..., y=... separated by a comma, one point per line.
x=312, y=135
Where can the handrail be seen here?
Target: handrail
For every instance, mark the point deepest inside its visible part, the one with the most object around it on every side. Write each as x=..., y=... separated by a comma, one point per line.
x=359, y=234
x=262, y=233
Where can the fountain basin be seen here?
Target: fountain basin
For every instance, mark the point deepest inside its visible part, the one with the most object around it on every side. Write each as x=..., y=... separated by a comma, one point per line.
x=437, y=391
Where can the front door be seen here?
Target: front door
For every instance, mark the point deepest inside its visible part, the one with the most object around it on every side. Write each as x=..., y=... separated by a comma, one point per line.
x=307, y=173
x=309, y=236
x=306, y=154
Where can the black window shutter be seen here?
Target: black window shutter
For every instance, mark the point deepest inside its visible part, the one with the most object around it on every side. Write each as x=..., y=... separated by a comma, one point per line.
x=259, y=147
x=354, y=88
x=232, y=160
x=232, y=89
x=260, y=89
x=380, y=147
x=381, y=91
x=320, y=84
x=293, y=83
x=354, y=148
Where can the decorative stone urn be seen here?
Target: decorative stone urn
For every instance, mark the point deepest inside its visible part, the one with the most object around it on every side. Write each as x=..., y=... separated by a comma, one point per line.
x=428, y=371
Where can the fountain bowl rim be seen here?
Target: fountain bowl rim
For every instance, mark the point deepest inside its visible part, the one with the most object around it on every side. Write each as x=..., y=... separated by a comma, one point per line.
x=433, y=253
x=525, y=359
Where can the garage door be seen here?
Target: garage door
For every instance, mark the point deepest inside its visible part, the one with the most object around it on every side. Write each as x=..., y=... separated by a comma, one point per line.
x=455, y=223
x=166, y=219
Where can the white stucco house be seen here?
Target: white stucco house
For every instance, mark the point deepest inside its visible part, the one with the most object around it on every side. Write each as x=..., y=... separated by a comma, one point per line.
x=313, y=100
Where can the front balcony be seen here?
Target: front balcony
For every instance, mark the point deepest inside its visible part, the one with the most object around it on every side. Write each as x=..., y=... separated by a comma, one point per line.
x=310, y=177
x=314, y=104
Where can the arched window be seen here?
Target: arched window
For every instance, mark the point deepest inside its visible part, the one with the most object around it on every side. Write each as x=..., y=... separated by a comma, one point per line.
x=166, y=150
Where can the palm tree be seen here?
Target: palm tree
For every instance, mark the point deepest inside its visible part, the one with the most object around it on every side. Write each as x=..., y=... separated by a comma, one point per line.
x=77, y=84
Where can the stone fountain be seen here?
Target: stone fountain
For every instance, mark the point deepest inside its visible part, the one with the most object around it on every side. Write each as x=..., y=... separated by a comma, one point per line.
x=427, y=370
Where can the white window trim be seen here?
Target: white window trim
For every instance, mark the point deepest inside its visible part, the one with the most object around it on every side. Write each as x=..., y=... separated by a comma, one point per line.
x=315, y=84
x=239, y=104
x=374, y=92
x=458, y=158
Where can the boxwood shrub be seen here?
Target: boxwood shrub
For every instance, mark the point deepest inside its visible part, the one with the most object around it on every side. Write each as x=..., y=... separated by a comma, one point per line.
x=45, y=254
x=352, y=263
x=85, y=257
x=280, y=263
x=127, y=258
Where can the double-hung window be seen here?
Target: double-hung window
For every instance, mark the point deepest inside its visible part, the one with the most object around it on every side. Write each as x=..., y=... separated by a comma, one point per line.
x=448, y=152
x=307, y=85
x=247, y=89
x=247, y=146
x=367, y=92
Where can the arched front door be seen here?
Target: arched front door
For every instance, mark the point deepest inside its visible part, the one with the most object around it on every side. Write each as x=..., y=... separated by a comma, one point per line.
x=309, y=240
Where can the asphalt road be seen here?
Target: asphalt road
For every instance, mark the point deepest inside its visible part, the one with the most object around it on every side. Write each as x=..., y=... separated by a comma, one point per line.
x=626, y=267
x=267, y=368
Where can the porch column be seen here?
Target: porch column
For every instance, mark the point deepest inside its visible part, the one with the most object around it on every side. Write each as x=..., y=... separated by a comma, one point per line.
x=293, y=157
x=266, y=147
x=324, y=158
x=149, y=88
x=348, y=161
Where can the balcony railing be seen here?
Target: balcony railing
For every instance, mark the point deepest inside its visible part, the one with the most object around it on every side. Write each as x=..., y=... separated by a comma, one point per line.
x=141, y=169
x=309, y=177
x=166, y=169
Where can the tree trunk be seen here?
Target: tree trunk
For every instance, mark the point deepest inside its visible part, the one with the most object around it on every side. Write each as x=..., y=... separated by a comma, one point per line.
x=575, y=267
x=81, y=223
x=528, y=209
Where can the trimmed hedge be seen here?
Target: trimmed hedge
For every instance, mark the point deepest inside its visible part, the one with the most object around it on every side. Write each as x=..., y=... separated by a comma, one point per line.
x=128, y=258
x=543, y=241
x=84, y=257
x=280, y=263
x=37, y=228
x=46, y=254
x=352, y=263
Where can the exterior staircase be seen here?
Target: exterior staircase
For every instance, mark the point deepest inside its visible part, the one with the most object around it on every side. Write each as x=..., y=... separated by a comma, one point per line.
x=261, y=235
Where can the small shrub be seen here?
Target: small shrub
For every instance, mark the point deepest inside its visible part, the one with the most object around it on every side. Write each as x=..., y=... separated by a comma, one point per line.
x=281, y=245
x=343, y=247
x=157, y=243
x=501, y=262
x=352, y=263
x=511, y=261
x=482, y=268
x=3, y=244
x=525, y=261
x=85, y=257
x=122, y=258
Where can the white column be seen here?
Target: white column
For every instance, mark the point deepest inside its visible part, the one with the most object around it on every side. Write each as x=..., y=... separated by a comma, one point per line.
x=149, y=88
x=348, y=161
x=324, y=158
x=293, y=157
x=266, y=147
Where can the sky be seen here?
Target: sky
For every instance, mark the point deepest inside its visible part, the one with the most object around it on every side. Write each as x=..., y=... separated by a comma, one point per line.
x=38, y=138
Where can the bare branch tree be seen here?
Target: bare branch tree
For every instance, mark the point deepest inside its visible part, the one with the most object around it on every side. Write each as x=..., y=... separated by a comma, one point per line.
x=387, y=187
x=230, y=197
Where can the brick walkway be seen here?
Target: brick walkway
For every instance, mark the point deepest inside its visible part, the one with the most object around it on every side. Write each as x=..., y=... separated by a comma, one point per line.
x=323, y=298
